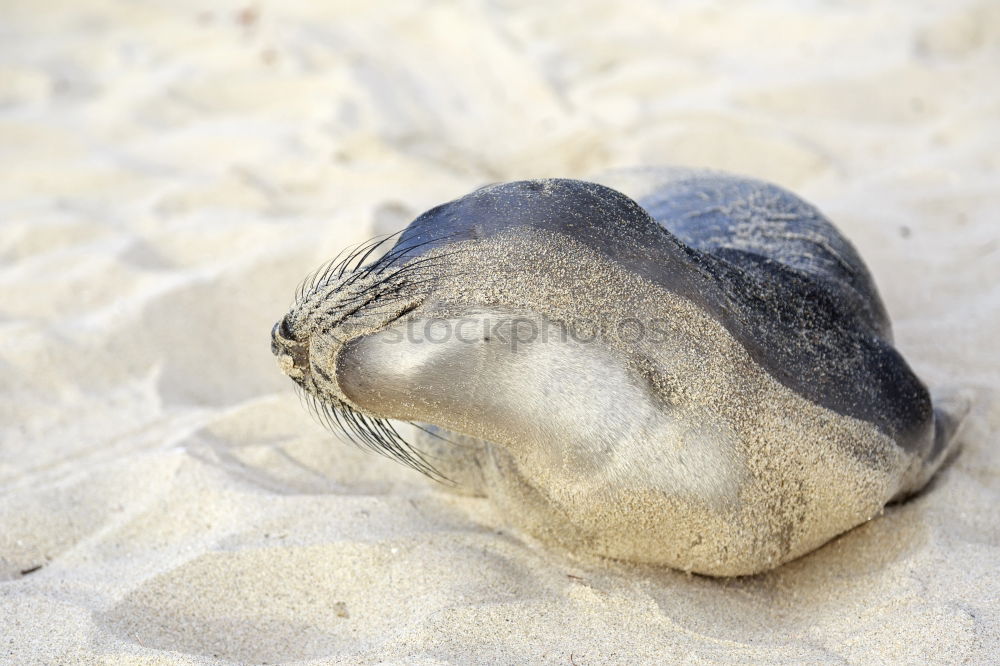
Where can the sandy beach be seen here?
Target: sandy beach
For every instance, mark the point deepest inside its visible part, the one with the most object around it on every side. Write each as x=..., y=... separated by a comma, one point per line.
x=170, y=172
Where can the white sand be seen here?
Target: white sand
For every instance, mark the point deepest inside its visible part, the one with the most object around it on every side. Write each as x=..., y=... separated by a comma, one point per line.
x=167, y=175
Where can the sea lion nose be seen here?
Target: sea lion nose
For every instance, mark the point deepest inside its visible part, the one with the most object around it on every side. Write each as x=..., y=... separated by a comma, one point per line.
x=275, y=347
x=293, y=356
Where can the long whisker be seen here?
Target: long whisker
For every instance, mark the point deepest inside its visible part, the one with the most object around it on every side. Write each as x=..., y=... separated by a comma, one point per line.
x=377, y=435
x=395, y=253
x=309, y=283
x=361, y=250
x=336, y=266
x=374, y=246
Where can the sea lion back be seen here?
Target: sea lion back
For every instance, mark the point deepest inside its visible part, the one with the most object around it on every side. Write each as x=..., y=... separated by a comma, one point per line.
x=752, y=224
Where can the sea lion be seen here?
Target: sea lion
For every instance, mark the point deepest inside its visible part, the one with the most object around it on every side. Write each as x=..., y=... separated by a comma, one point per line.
x=701, y=377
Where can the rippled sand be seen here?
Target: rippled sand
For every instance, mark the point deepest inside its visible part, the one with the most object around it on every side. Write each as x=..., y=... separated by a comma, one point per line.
x=168, y=174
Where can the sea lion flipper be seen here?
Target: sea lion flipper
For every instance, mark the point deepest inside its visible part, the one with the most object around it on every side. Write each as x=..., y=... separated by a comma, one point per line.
x=951, y=409
x=950, y=412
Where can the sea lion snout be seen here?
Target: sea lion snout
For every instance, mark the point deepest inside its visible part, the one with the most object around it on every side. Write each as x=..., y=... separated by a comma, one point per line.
x=292, y=355
x=330, y=314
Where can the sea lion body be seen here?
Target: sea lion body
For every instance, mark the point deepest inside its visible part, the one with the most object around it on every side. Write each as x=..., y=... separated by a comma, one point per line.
x=702, y=377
